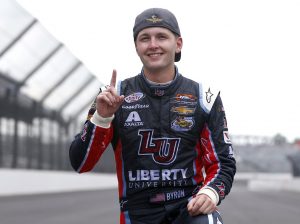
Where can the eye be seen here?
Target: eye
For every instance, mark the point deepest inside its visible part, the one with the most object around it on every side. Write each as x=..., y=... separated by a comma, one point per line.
x=162, y=37
x=144, y=38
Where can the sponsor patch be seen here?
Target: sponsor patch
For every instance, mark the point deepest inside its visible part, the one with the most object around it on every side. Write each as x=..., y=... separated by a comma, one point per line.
x=167, y=196
x=123, y=202
x=134, y=97
x=163, y=150
x=159, y=92
x=158, y=198
x=183, y=123
x=157, y=175
x=226, y=137
x=141, y=179
x=183, y=110
x=84, y=132
x=221, y=188
x=133, y=120
x=135, y=106
x=187, y=99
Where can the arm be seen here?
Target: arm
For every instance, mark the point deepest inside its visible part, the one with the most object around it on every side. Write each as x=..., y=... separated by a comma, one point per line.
x=220, y=168
x=218, y=159
x=87, y=147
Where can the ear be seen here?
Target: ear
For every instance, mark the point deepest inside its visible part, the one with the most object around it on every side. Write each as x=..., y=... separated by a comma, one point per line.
x=135, y=47
x=179, y=44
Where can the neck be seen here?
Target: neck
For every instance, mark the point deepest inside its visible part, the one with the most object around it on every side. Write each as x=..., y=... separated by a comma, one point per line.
x=161, y=75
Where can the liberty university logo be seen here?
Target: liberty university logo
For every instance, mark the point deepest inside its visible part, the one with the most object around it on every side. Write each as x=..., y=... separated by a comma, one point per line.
x=163, y=150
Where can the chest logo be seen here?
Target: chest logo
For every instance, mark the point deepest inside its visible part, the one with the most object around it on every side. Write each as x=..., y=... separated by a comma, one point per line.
x=183, y=110
x=163, y=150
x=134, y=97
x=209, y=95
x=183, y=123
x=133, y=120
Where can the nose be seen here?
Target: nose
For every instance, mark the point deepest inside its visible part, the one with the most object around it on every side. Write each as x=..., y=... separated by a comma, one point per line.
x=153, y=43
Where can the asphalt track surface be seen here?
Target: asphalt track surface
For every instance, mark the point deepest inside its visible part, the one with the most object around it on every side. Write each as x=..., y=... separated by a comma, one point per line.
x=240, y=207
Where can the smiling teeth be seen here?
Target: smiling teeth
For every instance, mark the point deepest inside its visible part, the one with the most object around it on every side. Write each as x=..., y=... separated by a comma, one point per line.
x=154, y=54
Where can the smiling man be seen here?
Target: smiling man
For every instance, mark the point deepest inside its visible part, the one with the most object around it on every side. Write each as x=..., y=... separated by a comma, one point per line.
x=174, y=159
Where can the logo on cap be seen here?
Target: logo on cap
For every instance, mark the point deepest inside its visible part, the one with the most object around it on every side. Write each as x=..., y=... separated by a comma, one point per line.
x=154, y=19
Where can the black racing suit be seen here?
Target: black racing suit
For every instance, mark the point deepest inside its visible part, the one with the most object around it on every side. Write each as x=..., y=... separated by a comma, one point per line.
x=169, y=141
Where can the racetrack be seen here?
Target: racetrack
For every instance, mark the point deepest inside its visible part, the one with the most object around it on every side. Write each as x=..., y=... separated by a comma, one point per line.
x=268, y=207
x=241, y=207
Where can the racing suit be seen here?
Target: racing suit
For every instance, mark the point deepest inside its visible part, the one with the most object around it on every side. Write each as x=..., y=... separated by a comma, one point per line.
x=169, y=141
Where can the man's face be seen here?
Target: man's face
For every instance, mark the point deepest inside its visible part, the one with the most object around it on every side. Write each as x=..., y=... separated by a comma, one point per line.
x=156, y=47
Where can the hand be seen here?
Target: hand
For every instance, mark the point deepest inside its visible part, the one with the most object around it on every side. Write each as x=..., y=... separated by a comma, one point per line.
x=108, y=101
x=201, y=204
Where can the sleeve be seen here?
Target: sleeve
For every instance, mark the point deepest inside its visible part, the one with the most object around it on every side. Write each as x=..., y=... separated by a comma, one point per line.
x=88, y=146
x=218, y=157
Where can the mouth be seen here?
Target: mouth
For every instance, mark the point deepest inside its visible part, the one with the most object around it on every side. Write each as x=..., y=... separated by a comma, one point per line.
x=154, y=55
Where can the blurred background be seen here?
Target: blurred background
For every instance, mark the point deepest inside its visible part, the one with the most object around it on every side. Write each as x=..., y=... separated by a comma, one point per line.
x=45, y=94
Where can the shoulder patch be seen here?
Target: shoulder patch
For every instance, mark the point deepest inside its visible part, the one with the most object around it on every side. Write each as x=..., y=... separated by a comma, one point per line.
x=208, y=96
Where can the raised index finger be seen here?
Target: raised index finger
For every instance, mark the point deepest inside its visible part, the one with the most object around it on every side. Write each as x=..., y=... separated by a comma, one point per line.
x=113, y=78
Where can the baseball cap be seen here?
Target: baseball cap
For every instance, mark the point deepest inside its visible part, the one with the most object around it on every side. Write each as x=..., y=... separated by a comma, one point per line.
x=157, y=17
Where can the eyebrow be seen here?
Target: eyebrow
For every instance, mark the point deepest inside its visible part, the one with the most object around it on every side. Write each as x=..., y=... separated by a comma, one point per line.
x=147, y=34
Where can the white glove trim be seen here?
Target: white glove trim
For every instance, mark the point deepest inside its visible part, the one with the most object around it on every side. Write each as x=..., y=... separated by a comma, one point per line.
x=210, y=192
x=103, y=122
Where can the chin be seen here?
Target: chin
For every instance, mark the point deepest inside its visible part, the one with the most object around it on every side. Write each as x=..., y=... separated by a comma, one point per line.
x=153, y=67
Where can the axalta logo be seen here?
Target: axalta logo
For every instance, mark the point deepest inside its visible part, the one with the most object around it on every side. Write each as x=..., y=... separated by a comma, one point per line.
x=163, y=150
x=134, y=97
x=133, y=120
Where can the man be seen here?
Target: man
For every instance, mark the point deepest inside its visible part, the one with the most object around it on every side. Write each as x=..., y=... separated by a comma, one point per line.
x=174, y=159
